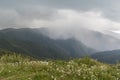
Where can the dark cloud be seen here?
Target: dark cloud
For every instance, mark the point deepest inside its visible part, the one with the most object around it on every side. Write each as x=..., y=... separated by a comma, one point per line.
x=27, y=13
x=40, y=13
x=65, y=18
x=23, y=16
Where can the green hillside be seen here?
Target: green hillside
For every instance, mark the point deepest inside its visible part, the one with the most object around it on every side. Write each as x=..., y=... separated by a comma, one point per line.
x=18, y=67
x=110, y=57
x=34, y=43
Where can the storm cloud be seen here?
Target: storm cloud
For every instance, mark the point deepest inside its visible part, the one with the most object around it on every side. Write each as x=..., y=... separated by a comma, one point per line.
x=64, y=18
x=23, y=12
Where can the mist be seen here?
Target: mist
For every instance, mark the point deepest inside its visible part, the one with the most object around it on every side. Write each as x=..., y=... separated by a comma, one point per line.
x=90, y=28
x=95, y=23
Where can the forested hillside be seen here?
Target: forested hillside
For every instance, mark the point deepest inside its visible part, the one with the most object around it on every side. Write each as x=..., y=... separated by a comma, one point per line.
x=34, y=43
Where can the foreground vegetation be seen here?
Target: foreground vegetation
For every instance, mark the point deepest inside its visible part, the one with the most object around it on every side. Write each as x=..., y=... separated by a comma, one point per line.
x=17, y=67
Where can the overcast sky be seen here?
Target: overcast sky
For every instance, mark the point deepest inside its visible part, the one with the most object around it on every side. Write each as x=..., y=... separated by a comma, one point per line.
x=100, y=15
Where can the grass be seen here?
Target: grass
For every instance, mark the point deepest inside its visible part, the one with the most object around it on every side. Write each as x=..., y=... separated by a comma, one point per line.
x=18, y=67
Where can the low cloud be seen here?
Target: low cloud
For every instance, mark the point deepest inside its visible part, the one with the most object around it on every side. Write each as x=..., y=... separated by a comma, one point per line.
x=24, y=17
x=67, y=20
x=90, y=27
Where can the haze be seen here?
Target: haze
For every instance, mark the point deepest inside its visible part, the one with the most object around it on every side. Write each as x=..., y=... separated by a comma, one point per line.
x=65, y=18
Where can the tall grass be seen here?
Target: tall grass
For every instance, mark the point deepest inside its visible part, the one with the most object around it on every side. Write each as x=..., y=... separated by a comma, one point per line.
x=13, y=58
x=18, y=67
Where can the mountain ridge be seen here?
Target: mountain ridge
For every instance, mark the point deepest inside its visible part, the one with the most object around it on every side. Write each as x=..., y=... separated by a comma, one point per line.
x=111, y=57
x=33, y=43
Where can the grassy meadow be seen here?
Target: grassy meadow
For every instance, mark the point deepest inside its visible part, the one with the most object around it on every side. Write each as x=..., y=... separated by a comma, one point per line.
x=18, y=67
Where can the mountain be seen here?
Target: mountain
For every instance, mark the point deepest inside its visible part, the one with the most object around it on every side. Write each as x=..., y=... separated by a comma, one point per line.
x=34, y=43
x=99, y=40
x=111, y=57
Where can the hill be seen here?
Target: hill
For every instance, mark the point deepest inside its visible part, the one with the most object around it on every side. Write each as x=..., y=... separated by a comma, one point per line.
x=34, y=43
x=101, y=41
x=16, y=67
x=111, y=57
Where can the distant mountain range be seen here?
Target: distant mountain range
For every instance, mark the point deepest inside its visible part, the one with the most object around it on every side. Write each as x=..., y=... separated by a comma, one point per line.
x=101, y=41
x=34, y=43
x=38, y=44
x=107, y=56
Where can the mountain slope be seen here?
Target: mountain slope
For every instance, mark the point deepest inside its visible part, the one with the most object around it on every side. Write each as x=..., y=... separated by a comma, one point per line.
x=107, y=56
x=18, y=67
x=101, y=41
x=34, y=43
